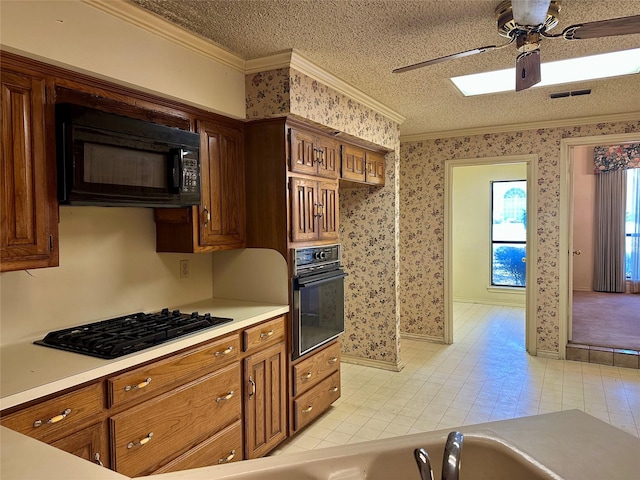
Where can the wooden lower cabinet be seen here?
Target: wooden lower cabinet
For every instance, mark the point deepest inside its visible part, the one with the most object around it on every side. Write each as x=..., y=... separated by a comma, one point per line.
x=159, y=430
x=312, y=403
x=89, y=443
x=221, y=401
x=315, y=385
x=223, y=447
x=265, y=400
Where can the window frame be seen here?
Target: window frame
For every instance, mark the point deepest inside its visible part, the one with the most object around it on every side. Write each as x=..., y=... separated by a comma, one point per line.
x=493, y=242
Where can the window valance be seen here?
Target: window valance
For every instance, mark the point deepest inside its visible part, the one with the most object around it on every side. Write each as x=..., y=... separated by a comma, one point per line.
x=618, y=157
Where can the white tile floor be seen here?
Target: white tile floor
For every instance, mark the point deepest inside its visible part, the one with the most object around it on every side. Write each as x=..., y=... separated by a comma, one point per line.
x=485, y=375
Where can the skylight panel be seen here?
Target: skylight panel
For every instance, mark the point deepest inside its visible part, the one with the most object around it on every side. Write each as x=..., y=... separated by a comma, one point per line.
x=593, y=67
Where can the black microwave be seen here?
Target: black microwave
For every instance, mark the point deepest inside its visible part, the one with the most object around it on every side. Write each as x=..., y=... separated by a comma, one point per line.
x=113, y=160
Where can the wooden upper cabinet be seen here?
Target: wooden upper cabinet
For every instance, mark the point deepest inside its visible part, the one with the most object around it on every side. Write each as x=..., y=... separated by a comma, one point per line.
x=304, y=201
x=222, y=208
x=314, y=154
x=375, y=168
x=352, y=163
x=219, y=222
x=28, y=204
x=361, y=165
x=314, y=210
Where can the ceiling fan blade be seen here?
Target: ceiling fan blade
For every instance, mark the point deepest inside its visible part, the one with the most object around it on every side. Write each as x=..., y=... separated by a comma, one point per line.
x=603, y=28
x=527, y=70
x=530, y=12
x=445, y=58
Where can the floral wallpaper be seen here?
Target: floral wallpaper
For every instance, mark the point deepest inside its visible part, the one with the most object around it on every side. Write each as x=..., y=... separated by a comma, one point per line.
x=422, y=221
x=369, y=216
x=393, y=237
x=618, y=157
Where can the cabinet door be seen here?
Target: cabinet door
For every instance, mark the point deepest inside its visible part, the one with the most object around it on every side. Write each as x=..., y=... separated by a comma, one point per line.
x=28, y=204
x=304, y=208
x=375, y=168
x=328, y=206
x=352, y=163
x=88, y=443
x=328, y=157
x=222, y=208
x=303, y=152
x=265, y=409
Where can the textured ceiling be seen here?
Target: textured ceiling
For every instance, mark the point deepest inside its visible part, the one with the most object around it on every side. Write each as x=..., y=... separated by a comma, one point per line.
x=361, y=41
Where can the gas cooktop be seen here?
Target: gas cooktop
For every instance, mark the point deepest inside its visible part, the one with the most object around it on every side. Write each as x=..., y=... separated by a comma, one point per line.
x=131, y=333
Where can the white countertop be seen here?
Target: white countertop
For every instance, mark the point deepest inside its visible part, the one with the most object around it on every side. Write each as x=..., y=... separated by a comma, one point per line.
x=29, y=371
x=568, y=444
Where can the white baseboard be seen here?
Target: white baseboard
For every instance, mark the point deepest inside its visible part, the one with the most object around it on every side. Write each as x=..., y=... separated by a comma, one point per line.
x=548, y=354
x=501, y=303
x=421, y=338
x=367, y=362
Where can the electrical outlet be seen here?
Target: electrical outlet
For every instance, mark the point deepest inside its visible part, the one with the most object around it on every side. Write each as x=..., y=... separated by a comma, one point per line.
x=184, y=269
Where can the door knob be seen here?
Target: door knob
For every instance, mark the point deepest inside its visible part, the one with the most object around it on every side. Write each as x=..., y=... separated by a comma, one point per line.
x=577, y=252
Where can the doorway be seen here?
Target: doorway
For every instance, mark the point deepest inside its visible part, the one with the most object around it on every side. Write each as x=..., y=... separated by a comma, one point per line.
x=478, y=257
x=572, y=151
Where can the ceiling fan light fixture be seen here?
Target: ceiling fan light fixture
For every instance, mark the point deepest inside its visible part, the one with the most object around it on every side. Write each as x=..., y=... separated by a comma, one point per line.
x=507, y=23
x=594, y=67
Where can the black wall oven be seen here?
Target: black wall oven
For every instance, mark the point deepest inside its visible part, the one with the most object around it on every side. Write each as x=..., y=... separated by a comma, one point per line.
x=318, y=297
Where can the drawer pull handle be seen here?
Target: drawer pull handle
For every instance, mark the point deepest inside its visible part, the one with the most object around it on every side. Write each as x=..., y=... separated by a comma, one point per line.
x=253, y=387
x=96, y=459
x=55, y=419
x=264, y=335
x=333, y=390
x=306, y=376
x=228, y=396
x=332, y=360
x=227, y=351
x=228, y=458
x=308, y=409
x=139, y=443
x=139, y=386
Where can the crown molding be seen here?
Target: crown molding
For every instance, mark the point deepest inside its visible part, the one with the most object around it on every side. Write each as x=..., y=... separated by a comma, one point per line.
x=517, y=127
x=152, y=23
x=306, y=66
x=293, y=59
x=156, y=25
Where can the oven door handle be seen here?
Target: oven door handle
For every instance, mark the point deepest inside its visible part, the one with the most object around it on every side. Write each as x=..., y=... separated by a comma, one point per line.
x=309, y=282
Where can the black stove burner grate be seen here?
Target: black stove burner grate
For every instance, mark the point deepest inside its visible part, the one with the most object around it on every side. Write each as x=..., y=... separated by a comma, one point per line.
x=124, y=335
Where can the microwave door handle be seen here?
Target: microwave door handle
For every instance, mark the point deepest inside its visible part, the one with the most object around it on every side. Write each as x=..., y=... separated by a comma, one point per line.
x=310, y=282
x=175, y=169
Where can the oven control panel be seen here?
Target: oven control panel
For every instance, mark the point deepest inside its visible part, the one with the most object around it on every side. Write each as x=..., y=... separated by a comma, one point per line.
x=315, y=256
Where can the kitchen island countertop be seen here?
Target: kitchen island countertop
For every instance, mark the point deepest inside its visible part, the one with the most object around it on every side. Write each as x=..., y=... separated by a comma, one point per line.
x=29, y=371
x=569, y=444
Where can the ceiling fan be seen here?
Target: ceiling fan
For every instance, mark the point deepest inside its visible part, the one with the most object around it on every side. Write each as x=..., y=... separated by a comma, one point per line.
x=526, y=23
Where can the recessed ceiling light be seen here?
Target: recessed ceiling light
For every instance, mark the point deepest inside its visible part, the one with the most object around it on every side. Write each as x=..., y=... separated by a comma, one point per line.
x=593, y=67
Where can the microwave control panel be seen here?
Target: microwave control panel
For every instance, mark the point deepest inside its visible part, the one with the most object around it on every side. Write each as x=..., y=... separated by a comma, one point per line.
x=190, y=171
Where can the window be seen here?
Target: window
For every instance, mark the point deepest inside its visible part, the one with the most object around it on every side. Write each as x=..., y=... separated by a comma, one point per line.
x=508, y=233
x=632, y=228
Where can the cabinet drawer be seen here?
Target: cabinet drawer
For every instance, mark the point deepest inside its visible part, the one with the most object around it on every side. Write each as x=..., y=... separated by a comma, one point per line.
x=265, y=334
x=223, y=447
x=147, y=436
x=311, y=404
x=161, y=376
x=309, y=372
x=60, y=416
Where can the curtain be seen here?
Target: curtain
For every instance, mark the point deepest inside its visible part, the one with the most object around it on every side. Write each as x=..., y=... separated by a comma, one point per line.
x=609, y=245
x=634, y=241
